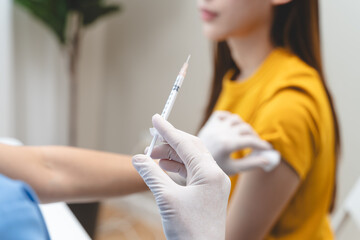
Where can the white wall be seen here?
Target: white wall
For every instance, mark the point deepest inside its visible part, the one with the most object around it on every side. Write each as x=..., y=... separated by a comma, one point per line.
x=40, y=82
x=340, y=25
x=91, y=85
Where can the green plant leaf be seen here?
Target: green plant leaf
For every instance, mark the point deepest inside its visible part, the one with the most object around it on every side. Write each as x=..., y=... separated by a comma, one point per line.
x=52, y=13
x=92, y=15
x=91, y=10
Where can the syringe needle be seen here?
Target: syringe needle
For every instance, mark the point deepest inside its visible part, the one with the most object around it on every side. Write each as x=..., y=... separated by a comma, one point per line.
x=187, y=60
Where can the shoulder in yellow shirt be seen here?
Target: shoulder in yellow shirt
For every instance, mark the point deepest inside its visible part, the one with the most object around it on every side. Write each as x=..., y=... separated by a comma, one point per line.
x=287, y=105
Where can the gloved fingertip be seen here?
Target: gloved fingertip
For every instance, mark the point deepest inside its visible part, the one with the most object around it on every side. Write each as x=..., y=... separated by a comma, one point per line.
x=273, y=158
x=156, y=116
x=157, y=121
x=267, y=145
x=161, y=125
x=140, y=158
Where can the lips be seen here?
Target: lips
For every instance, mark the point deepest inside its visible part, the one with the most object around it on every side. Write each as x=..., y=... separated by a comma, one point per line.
x=208, y=15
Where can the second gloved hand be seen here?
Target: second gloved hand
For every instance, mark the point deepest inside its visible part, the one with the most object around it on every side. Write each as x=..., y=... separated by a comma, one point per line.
x=225, y=133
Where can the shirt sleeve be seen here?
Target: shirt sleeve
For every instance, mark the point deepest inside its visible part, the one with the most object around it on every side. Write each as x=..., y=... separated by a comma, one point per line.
x=289, y=122
x=20, y=216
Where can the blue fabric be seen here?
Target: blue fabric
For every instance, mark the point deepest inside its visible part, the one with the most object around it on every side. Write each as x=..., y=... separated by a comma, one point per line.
x=20, y=216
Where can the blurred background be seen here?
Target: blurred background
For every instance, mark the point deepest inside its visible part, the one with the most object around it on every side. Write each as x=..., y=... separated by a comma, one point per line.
x=126, y=66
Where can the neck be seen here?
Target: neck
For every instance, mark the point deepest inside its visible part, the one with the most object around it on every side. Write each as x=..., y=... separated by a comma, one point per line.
x=250, y=51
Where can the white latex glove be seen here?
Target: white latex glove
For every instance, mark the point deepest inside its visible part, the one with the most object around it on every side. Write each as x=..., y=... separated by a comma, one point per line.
x=197, y=210
x=225, y=133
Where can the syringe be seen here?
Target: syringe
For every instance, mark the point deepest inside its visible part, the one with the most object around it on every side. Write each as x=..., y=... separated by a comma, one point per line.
x=170, y=101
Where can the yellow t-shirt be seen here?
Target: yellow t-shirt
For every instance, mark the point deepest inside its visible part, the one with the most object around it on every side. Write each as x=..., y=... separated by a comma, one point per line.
x=286, y=103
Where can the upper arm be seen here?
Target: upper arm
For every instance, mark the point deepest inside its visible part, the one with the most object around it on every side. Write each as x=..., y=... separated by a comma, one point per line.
x=258, y=201
x=288, y=122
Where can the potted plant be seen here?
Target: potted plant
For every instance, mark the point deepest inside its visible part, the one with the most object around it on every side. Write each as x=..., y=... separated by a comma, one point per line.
x=67, y=19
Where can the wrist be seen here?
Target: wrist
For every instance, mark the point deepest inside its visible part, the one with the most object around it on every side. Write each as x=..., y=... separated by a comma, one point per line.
x=208, y=230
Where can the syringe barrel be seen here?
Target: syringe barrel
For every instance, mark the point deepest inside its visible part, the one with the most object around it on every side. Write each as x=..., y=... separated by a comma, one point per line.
x=172, y=97
x=171, y=100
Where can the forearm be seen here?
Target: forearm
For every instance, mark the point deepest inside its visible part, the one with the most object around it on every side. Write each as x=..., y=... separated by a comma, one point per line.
x=23, y=163
x=70, y=174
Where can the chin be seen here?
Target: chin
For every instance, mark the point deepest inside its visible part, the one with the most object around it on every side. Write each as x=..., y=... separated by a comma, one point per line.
x=214, y=35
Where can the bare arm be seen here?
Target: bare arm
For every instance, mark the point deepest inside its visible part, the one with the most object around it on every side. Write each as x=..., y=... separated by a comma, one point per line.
x=249, y=216
x=70, y=174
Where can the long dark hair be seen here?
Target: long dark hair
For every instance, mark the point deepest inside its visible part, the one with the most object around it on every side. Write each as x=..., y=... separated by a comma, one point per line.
x=296, y=28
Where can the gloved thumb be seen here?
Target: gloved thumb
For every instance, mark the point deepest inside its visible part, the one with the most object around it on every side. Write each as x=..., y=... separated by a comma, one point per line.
x=154, y=177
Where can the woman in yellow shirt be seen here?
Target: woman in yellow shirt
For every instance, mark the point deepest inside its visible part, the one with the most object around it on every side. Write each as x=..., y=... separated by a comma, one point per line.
x=268, y=71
